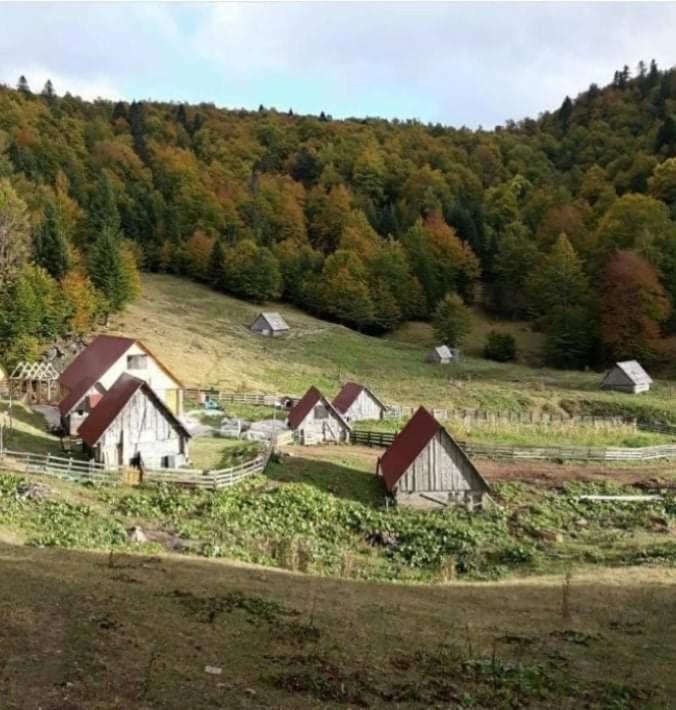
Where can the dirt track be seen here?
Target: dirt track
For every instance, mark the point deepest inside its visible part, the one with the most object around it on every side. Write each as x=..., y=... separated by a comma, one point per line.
x=541, y=472
x=552, y=474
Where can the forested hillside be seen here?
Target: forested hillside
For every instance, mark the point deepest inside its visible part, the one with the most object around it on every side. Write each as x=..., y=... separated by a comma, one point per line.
x=567, y=220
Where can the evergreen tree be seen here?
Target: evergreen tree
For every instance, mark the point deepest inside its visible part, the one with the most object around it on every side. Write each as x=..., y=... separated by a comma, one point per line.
x=48, y=90
x=22, y=85
x=559, y=298
x=51, y=244
x=103, y=212
x=216, y=277
x=452, y=320
x=108, y=271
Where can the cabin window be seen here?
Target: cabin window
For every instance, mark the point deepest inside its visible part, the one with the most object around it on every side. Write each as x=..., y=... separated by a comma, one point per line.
x=321, y=412
x=137, y=362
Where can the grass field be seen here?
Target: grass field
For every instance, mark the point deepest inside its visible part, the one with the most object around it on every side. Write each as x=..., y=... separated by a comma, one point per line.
x=83, y=631
x=578, y=434
x=203, y=337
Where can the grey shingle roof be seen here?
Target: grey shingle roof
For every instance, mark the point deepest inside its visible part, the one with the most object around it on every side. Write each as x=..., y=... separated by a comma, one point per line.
x=633, y=370
x=275, y=321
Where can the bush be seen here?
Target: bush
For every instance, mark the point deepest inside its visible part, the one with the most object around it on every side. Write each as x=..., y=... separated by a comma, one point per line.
x=500, y=347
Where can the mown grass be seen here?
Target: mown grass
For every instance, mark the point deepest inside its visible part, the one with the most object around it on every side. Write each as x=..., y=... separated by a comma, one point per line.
x=26, y=430
x=564, y=434
x=203, y=336
x=207, y=453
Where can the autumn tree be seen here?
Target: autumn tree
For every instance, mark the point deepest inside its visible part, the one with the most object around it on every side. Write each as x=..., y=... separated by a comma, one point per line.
x=633, y=306
x=15, y=240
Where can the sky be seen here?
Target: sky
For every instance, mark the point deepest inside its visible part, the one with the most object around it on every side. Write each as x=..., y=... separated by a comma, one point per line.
x=471, y=64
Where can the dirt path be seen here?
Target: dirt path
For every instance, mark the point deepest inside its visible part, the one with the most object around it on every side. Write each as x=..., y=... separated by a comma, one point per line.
x=540, y=472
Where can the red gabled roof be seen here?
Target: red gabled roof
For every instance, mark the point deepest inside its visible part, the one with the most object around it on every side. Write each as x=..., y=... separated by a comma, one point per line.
x=304, y=405
x=92, y=364
x=113, y=402
x=347, y=395
x=409, y=442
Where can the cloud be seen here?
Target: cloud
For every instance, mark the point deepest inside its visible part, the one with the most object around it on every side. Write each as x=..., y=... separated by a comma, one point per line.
x=456, y=63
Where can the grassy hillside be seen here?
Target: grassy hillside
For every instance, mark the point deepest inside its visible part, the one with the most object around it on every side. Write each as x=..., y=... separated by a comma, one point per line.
x=203, y=336
x=80, y=631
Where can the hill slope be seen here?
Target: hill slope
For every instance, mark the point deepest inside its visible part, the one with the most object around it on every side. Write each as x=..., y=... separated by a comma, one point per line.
x=203, y=336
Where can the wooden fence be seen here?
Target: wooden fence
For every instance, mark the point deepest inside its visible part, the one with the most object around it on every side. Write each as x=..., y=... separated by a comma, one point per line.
x=59, y=466
x=519, y=452
x=255, y=399
x=86, y=471
x=212, y=480
x=468, y=416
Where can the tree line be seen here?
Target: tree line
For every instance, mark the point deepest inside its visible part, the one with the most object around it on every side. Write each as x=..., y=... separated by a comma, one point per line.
x=566, y=220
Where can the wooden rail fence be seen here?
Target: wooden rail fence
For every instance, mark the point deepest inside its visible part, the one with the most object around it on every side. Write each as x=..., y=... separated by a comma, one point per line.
x=89, y=471
x=59, y=466
x=468, y=416
x=519, y=452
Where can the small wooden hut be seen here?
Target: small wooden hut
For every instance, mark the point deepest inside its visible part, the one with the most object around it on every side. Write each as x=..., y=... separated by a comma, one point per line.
x=132, y=426
x=271, y=324
x=627, y=376
x=424, y=467
x=357, y=403
x=443, y=355
x=36, y=381
x=316, y=421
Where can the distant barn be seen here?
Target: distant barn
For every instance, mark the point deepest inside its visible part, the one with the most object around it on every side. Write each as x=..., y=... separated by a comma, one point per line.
x=357, y=403
x=424, y=467
x=270, y=324
x=443, y=355
x=132, y=426
x=315, y=420
x=627, y=376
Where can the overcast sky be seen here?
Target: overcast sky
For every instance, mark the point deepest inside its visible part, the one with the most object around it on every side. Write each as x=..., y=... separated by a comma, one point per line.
x=458, y=64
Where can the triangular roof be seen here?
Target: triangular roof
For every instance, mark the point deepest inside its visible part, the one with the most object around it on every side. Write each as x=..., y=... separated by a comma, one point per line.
x=304, y=405
x=274, y=320
x=349, y=393
x=114, y=401
x=443, y=351
x=633, y=371
x=92, y=363
x=407, y=445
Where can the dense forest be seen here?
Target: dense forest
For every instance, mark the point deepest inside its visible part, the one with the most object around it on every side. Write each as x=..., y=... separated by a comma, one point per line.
x=567, y=220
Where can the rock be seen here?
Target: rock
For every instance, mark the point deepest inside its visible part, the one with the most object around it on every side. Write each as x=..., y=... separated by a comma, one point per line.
x=250, y=691
x=136, y=534
x=33, y=491
x=213, y=670
x=582, y=522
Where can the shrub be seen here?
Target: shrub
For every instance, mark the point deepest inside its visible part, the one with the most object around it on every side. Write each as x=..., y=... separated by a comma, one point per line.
x=500, y=347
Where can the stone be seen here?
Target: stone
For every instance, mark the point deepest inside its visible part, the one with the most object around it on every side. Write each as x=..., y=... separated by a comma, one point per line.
x=136, y=535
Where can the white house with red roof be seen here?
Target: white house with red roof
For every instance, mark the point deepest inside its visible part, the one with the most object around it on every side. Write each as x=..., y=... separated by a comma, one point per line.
x=132, y=426
x=357, y=403
x=425, y=467
x=316, y=421
x=94, y=371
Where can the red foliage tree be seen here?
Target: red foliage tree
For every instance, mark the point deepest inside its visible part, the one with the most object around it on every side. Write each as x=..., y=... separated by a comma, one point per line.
x=633, y=306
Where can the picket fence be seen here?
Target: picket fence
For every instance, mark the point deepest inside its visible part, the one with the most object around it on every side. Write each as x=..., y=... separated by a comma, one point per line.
x=89, y=471
x=519, y=452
